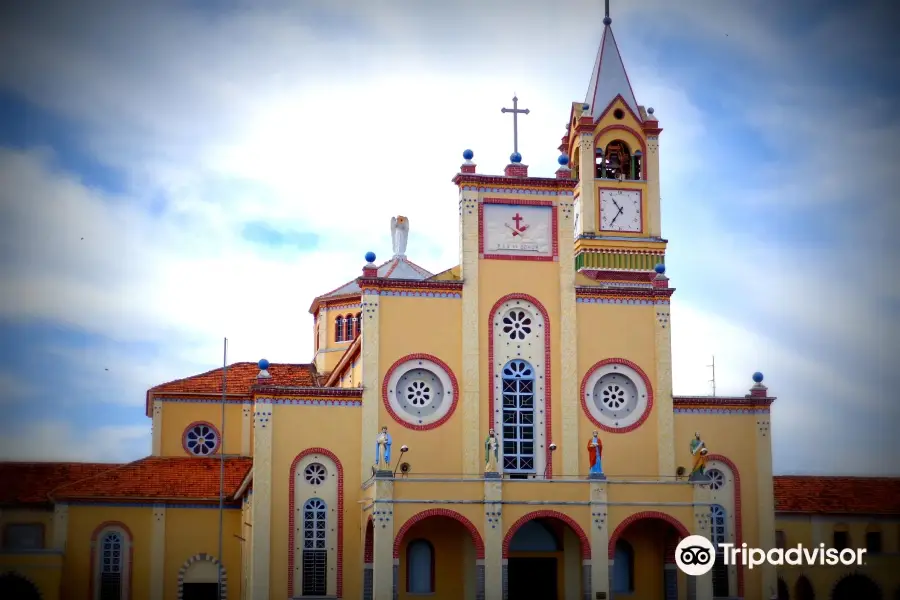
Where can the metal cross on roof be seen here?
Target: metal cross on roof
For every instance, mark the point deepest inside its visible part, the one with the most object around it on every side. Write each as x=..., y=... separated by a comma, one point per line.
x=516, y=111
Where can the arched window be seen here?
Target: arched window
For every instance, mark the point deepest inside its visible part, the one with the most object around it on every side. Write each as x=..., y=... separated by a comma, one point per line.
x=518, y=417
x=348, y=328
x=719, y=535
x=315, y=553
x=623, y=568
x=339, y=329
x=358, y=323
x=615, y=161
x=420, y=567
x=112, y=552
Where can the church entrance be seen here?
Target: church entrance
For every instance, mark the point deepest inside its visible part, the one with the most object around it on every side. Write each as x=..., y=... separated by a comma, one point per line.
x=533, y=578
x=643, y=564
x=200, y=579
x=856, y=587
x=201, y=591
x=15, y=587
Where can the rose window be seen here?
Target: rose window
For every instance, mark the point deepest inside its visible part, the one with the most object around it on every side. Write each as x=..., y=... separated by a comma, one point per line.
x=201, y=439
x=517, y=324
x=613, y=396
x=716, y=477
x=314, y=474
x=419, y=393
x=616, y=396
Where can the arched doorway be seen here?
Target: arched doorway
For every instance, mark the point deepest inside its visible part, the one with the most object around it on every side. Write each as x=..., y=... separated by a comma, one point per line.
x=803, y=589
x=437, y=553
x=642, y=556
x=15, y=587
x=545, y=553
x=856, y=587
x=198, y=579
x=783, y=592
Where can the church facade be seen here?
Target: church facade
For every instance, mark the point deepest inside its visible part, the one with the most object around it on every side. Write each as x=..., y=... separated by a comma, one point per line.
x=504, y=429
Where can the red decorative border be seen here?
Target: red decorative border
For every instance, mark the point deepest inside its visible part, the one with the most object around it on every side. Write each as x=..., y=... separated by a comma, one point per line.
x=453, y=384
x=481, y=180
x=549, y=514
x=340, y=517
x=554, y=244
x=440, y=512
x=640, y=516
x=94, y=549
x=738, y=510
x=211, y=426
x=639, y=371
x=548, y=404
x=599, y=225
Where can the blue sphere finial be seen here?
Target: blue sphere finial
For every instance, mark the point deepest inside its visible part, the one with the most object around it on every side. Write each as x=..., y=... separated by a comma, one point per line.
x=585, y=106
x=758, y=377
x=607, y=20
x=660, y=268
x=370, y=257
x=515, y=157
x=563, y=160
x=263, y=364
x=468, y=154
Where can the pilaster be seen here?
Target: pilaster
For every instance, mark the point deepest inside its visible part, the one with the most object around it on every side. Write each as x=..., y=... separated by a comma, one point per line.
x=371, y=400
x=246, y=428
x=601, y=565
x=60, y=526
x=156, y=448
x=385, y=566
x=654, y=222
x=494, y=567
x=322, y=333
x=665, y=411
x=260, y=546
x=586, y=171
x=568, y=340
x=158, y=553
x=702, y=584
x=470, y=407
x=765, y=499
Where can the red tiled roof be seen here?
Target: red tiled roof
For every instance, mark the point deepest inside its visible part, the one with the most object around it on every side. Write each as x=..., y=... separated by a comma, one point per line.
x=30, y=482
x=837, y=495
x=239, y=378
x=159, y=477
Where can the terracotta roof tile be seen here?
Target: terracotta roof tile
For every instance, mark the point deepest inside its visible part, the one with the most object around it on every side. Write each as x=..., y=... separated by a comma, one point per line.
x=837, y=495
x=30, y=482
x=158, y=477
x=240, y=377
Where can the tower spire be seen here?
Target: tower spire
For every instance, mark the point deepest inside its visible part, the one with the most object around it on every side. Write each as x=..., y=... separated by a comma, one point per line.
x=608, y=79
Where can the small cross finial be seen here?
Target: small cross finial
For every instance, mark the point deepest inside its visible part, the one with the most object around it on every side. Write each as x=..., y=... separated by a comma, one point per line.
x=516, y=111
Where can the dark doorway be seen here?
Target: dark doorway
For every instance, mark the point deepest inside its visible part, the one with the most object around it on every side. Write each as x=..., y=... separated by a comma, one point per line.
x=201, y=591
x=532, y=579
x=13, y=587
x=856, y=587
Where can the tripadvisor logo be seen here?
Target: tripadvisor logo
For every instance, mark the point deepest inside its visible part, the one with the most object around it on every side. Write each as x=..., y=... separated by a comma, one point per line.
x=695, y=555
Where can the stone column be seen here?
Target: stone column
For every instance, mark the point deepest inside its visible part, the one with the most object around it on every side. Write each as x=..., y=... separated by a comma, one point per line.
x=385, y=566
x=568, y=342
x=702, y=584
x=156, y=449
x=586, y=170
x=765, y=500
x=371, y=398
x=493, y=568
x=158, y=553
x=651, y=168
x=246, y=429
x=665, y=421
x=601, y=565
x=60, y=526
x=470, y=407
x=260, y=546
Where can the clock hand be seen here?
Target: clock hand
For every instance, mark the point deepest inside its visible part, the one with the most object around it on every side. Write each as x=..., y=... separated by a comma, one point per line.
x=617, y=205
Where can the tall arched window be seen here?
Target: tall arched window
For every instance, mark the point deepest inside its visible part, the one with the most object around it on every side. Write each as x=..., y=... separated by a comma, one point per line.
x=518, y=417
x=348, y=328
x=315, y=553
x=719, y=535
x=420, y=567
x=112, y=552
x=339, y=329
x=623, y=568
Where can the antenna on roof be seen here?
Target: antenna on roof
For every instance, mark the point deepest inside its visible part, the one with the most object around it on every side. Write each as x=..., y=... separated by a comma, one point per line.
x=222, y=462
x=606, y=14
x=713, y=367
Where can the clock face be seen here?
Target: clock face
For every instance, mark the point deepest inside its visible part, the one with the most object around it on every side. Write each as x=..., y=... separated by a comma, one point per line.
x=620, y=210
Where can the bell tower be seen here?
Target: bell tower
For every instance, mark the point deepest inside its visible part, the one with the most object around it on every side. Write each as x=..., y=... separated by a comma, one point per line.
x=613, y=143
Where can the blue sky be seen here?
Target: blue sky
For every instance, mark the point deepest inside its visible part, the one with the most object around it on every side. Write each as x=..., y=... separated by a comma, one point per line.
x=160, y=158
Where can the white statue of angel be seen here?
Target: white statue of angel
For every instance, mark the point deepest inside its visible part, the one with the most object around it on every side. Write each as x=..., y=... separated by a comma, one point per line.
x=399, y=234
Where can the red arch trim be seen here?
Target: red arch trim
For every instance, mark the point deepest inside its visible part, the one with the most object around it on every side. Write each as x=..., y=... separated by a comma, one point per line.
x=441, y=512
x=549, y=514
x=340, y=516
x=453, y=383
x=738, y=510
x=369, y=543
x=644, y=378
x=641, y=516
x=548, y=405
x=632, y=131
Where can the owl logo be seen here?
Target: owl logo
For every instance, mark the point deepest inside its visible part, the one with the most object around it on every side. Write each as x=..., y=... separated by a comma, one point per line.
x=399, y=234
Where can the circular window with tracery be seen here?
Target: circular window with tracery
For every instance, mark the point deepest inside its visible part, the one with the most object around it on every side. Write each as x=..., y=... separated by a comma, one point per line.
x=315, y=474
x=717, y=478
x=616, y=396
x=517, y=324
x=201, y=439
x=420, y=392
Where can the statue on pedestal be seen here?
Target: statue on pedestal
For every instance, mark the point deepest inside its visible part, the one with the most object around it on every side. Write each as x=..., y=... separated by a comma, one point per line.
x=699, y=452
x=491, y=452
x=383, y=450
x=595, y=456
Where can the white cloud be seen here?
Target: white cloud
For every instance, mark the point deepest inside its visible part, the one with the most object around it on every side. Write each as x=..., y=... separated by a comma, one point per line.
x=59, y=441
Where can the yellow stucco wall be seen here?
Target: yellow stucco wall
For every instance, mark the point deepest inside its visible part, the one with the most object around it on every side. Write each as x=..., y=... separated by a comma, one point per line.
x=176, y=416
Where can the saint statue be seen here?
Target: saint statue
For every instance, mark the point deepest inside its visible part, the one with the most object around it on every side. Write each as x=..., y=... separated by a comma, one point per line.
x=491, y=452
x=399, y=234
x=595, y=454
x=383, y=450
x=698, y=452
